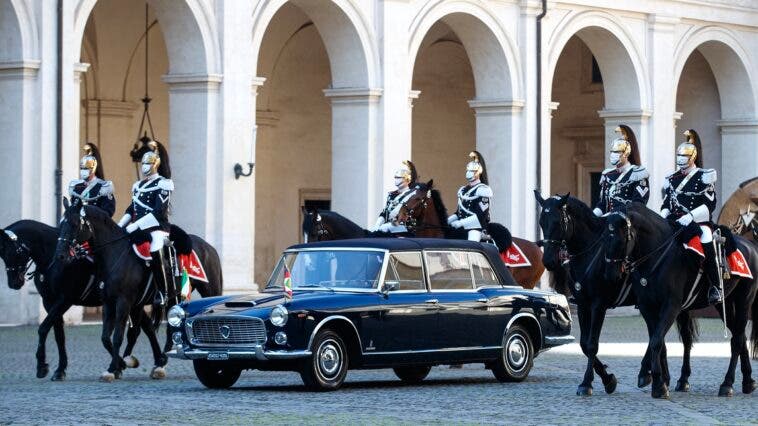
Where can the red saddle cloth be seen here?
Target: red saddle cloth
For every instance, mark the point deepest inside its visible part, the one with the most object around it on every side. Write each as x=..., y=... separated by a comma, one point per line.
x=737, y=263
x=190, y=262
x=513, y=257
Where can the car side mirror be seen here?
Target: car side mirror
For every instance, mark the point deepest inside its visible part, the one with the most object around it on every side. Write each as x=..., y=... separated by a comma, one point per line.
x=390, y=286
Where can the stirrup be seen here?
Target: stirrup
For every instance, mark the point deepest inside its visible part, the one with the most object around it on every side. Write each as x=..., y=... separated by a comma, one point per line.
x=159, y=295
x=714, y=296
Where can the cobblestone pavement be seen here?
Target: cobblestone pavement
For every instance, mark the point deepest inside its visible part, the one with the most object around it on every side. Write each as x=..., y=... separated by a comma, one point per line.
x=467, y=395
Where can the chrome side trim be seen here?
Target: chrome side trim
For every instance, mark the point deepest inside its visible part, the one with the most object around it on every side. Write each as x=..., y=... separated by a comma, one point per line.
x=426, y=351
x=527, y=315
x=256, y=353
x=558, y=340
x=331, y=318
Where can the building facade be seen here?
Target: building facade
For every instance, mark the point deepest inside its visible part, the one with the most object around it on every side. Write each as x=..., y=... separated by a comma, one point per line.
x=327, y=97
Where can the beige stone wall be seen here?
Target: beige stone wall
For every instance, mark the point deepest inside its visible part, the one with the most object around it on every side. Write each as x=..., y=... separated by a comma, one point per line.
x=293, y=149
x=697, y=98
x=577, y=130
x=444, y=126
x=114, y=84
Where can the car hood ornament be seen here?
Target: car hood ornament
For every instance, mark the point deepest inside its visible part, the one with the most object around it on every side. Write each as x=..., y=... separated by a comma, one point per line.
x=225, y=331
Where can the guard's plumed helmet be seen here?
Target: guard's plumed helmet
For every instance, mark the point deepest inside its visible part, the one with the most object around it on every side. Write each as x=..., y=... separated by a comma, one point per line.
x=152, y=157
x=407, y=172
x=88, y=161
x=621, y=144
x=689, y=148
x=477, y=167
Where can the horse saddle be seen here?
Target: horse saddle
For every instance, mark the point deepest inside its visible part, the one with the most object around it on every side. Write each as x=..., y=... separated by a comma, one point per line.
x=514, y=257
x=186, y=261
x=736, y=260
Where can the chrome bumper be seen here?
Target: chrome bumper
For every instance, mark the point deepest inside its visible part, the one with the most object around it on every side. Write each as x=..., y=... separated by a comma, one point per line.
x=558, y=340
x=256, y=352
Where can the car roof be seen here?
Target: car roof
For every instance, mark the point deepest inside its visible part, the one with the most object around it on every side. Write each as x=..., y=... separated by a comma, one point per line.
x=394, y=244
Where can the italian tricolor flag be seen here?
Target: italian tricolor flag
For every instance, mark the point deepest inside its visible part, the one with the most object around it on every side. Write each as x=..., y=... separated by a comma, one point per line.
x=186, y=286
x=287, y=283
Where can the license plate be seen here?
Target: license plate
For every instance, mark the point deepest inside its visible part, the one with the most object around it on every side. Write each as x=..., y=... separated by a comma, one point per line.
x=218, y=356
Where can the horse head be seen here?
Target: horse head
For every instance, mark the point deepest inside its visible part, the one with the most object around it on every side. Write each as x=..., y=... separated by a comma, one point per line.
x=314, y=227
x=619, y=243
x=557, y=228
x=412, y=211
x=74, y=229
x=17, y=258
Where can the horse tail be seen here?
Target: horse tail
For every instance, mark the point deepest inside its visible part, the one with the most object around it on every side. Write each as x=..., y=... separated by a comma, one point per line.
x=181, y=239
x=156, y=316
x=689, y=331
x=559, y=281
x=501, y=235
x=754, y=332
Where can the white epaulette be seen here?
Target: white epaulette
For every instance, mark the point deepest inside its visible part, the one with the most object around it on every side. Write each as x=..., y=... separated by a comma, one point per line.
x=106, y=187
x=484, y=191
x=639, y=173
x=166, y=184
x=709, y=176
x=72, y=185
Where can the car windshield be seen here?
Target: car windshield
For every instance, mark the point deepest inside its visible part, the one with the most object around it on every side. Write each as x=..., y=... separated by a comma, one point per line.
x=329, y=269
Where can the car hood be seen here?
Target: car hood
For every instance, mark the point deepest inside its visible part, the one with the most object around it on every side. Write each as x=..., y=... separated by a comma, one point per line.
x=260, y=304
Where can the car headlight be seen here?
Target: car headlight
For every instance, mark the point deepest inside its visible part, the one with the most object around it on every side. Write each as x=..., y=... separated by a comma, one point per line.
x=175, y=316
x=279, y=316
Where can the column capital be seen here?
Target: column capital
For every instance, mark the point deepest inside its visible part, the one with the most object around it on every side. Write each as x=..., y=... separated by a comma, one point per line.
x=192, y=82
x=19, y=69
x=631, y=115
x=79, y=69
x=663, y=23
x=496, y=106
x=412, y=96
x=532, y=7
x=256, y=83
x=353, y=95
x=738, y=127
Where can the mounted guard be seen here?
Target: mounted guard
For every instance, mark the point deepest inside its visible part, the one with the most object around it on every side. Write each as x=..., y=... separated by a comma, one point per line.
x=690, y=196
x=406, y=183
x=149, y=210
x=91, y=188
x=473, y=213
x=627, y=180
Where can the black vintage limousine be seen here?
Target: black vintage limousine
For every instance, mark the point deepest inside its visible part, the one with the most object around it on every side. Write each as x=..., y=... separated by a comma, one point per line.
x=406, y=304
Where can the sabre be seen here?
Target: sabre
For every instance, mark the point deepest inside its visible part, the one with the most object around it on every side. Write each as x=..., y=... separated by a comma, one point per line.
x=718, y=240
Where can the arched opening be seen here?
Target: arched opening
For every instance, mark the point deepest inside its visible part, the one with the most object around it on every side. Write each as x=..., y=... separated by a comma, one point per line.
x=594, y=88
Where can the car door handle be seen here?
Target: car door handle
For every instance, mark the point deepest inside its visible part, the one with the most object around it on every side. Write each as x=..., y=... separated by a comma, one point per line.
x=432, y=301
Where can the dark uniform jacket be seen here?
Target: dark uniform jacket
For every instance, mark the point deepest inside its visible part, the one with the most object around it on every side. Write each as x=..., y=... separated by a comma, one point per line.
x=150, y=203
x=683, y=193
x=96, y=192
x=474, y=206
x=395, y=200
x=619, y=187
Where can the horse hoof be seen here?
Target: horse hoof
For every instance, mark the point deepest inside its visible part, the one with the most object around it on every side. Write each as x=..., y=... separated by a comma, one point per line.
x=584, y=391
x=610, y=385
x=661, y=392
x=726, y=391
x=42, y=371
x=749, y=387
x=118, y=374
x=131, y=362
x=158, y=373
x=643, y=381
x=58, y=376
x=107, y=377
x=682, y=386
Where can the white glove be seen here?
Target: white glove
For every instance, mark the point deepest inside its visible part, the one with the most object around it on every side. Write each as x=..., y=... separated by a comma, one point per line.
x=456, y=224
x=124, y=220
x=685, y=220
x=452, y=218
x=597, y=212
x=131, y=227
x=379, y=222
x=665, y=213
x=385, y=227
x=700, y=213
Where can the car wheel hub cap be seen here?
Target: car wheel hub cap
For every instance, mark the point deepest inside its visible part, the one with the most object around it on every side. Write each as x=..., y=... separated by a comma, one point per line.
x=329, y=359
x=516, y=353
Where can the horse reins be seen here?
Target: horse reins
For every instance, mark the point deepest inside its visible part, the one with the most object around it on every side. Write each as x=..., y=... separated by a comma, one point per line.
x=630, y=265
x=21, y=249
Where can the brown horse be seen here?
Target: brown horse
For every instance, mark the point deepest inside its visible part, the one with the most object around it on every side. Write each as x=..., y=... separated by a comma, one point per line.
x=425, y=215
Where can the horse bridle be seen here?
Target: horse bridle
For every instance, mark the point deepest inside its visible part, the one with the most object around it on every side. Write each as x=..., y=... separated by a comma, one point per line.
x=21, y=249
x=412, y=221
x=629, y=239
x=321, y=230
x=562, y=244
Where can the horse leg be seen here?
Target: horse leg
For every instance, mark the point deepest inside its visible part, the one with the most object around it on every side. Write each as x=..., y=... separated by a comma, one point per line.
x=105, y=337
x=60, y=340
x=54, y=314
x=657, y=350
x=160, y=358
x=665, y=375
x=583, y=312
x=736, y=325
x=748, y=384
x=119, y=322
x=132, y=333
x=686, y=333
x=609, y=380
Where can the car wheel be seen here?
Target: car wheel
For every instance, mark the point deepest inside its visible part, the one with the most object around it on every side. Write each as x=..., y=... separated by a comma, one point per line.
x=326, y=369
x=216, y=375
x=515, y=362
x=412, y=374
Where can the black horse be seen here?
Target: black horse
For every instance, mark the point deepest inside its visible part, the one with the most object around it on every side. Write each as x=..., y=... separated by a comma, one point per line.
x=29, y=245
x=325, y=225
x=574, y=253
x=668, y=282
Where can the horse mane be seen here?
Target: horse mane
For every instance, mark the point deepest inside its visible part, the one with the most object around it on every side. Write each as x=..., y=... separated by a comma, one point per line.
x=585, y=214
x=651, y=221
x=439, y=206
x=342, y=220
x=99, y=215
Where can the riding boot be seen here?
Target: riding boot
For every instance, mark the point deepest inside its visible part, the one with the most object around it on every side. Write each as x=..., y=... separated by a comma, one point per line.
x=159, y=277
x=711, y=270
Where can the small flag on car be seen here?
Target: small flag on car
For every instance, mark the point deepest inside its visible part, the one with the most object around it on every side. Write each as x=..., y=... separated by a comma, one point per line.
x=287, y=283
x=186, y=286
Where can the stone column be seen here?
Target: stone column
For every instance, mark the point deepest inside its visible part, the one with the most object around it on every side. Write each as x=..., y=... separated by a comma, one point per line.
x=194, y=152
x=354, y=150
x=739, y=154
x=496, y=139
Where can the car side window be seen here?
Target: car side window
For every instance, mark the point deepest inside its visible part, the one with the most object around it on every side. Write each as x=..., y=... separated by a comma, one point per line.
x=482, y=271
x=406, y=269
x=449, y=270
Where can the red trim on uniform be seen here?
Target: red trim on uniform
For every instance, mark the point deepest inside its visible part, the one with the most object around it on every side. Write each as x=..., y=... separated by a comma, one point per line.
x=191, y=262
x=738, y=265
x=695, y=245
x=514, y=257
x=143, y=250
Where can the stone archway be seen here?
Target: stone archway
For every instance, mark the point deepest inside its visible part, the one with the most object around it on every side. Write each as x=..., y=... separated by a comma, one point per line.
x=484, y=97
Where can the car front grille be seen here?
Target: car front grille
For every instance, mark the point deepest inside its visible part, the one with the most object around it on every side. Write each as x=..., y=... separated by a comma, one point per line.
x=226, y=331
